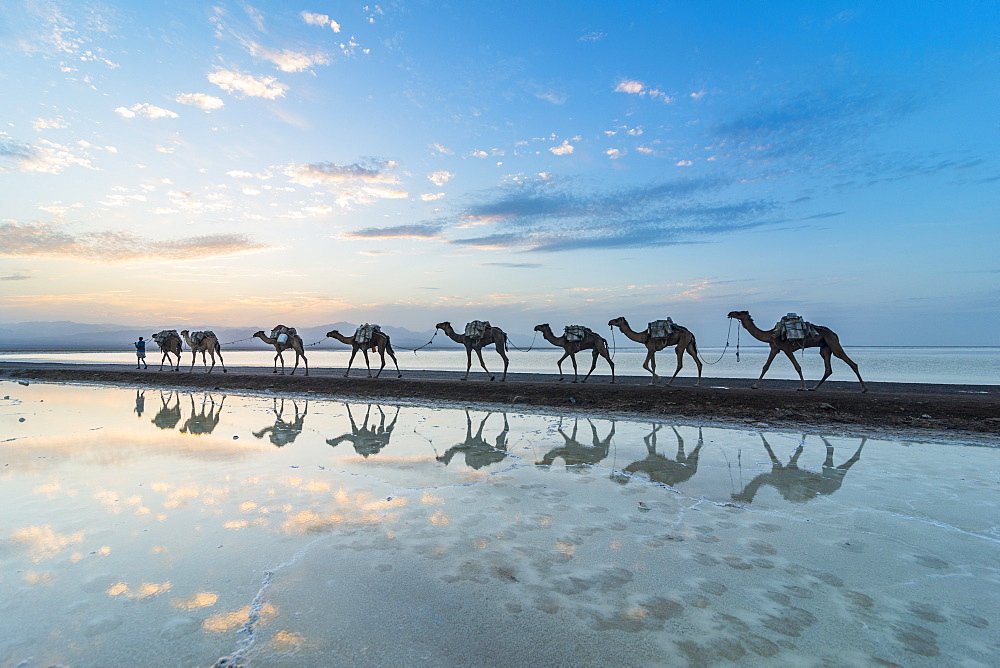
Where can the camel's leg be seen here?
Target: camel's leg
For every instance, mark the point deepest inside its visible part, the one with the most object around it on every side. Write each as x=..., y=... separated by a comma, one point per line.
x=826, y=354
x=479, y=354
x=506, y=362
x=381, y=354
x=221, y=361
x=559, y=364
x=576, y=375
x=680, y=364
x=795, y=363
x=367, y=361
x=194, y=357
x=767, y=365
x=392, y=354
x=276, y=358
x=296, y=361
x=694, y=354
x=838, y=351
x=468, y=361
x=350, y=362
x=211, y=354
x=305, y=362
x=593, y=365
x=606, y=354
x=650, y=365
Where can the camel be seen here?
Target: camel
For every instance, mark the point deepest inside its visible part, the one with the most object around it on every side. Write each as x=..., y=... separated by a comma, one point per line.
x=798, y=485
x=662, y=469
x=825, y=339
x=680, y=337
x=367, y=440
x=575, y=453
x=207, y=342
x=294, y=342
x=379, y=341
x=492, y=336
x=592, y=341
x=282, y=433
x=170, y=344
x=168, y=416
x=478, y=453
x=200, y=423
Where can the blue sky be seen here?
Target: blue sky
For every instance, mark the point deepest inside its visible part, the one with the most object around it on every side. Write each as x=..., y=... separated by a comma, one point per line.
x=199, y=164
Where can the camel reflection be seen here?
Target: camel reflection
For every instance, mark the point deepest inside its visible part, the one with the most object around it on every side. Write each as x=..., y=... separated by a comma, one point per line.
x=168, y=416
x=799, y=485
x=282, y=433
x=575, y=453
x=367, y=440
x=478, y=453
x=661, y=469
x=203, y=422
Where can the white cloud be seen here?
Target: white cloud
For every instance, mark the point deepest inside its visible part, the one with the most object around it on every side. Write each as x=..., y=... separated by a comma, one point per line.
x=630, y=86
x=430, y=197
x=698, y=95
x=47, y=157
x=236, y=82
x=440, y=177
x=239, y=174
x=288, y=60
x=684, y=163
x=49, y=123
x=351, y=183
x=480, y=154
x=321, y=20
x=147, y=110
x=613, y=153
x=563, y=149
x=203, y=101
x=440, y=148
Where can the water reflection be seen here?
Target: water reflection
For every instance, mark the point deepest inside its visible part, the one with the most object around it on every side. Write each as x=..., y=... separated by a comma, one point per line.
x=203, y=422
x=800, y=485
x=661, y=469
x=367, y=440
x=140, y=402
x=168, y=416
x=476, y=451
x=575, y=453
x=282, y=433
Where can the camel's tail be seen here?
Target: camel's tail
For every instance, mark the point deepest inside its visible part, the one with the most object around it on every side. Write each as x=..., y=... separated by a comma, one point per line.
x=505, y=346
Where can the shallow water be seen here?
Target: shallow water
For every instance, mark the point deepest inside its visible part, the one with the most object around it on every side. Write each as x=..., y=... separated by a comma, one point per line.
x=969, y=366
x=172, y=528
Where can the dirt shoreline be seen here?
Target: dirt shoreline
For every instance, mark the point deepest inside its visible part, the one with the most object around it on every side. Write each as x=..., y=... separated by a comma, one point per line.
x=927, y=410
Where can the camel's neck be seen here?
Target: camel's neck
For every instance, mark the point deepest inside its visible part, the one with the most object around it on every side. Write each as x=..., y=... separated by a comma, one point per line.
x=265, y=339
x=755, y=331
x=349, y=340
x=549, y=336
x=187, y=340
x=450, y=332
x=630, y=333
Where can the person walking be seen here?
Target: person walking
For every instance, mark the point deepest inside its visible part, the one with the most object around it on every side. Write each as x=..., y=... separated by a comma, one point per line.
x=140, y=354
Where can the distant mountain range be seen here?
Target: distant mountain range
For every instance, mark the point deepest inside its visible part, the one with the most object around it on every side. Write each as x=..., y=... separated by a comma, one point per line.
x=65, y=335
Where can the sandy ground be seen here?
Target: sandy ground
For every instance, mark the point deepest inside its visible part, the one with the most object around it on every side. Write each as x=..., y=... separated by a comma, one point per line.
x=914, y=408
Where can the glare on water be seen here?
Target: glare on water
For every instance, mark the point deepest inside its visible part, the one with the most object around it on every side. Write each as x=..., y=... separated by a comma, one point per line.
x=164, y=527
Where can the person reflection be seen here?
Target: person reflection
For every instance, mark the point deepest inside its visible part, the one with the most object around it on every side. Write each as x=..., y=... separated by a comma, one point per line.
x=799, y=485
x=202, y=422
x=575, y=453
x=140, y=402
x=661, y=469
x=367, y=440
x=168, y=416
x=478, y=453
x=282, y=433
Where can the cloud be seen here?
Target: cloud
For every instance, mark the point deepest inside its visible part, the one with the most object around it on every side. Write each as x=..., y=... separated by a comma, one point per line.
x=48, y=123
x=613, y=153
x=288, y=60
x=563, y=149
x=53, y=241
x=203, y=101
x=440, y=177
x=534, y=217
x=15, y=277
x=239, y=83
x=633, y=87
x=441, y=148
x=512, y=265
x=147, y=110
x=430, y=197
x=425, y=231
x=47, y=157
x=592, y=37
x=356, y=183
x=321, y=20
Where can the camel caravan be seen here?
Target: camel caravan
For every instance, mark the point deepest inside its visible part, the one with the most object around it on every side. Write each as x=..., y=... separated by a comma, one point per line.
x=790, y=334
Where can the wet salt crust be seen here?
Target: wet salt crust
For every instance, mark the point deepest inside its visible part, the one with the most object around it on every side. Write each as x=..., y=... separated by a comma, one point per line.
x=176, y=528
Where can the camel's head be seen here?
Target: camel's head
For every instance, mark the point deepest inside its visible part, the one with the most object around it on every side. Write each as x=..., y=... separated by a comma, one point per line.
x=739, y=315
x=259, y=333
x=184, y=332
x=442, y=325
x=332, y=333
x=541, y=328
x=616, y=322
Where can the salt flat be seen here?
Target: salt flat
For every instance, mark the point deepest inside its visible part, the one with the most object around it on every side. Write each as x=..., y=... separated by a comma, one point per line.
x=183, y=528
